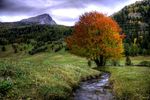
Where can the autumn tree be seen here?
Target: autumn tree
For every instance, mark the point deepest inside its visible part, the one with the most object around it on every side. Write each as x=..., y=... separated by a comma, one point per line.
x=96, y=37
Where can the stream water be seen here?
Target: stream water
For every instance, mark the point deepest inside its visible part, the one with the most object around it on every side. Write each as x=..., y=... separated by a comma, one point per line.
x=95, y=89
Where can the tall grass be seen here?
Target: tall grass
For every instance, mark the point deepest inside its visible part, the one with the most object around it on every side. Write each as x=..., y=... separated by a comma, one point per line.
x=130, y=83
x=44, y=76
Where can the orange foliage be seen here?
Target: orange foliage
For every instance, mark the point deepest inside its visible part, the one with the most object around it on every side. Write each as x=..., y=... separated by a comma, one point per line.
x=96, y=35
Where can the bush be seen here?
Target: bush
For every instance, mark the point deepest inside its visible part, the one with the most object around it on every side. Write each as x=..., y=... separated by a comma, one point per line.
x=15, y=48
x=3, y=48
x=115, y=63
x=5, y=86
x=57, y=49
x=7, y=70
x=89, y=63
x=37, y=50
x=128, y=61
x=144, y=52
x=66, y=48
x=127, y=50
x=144, y=63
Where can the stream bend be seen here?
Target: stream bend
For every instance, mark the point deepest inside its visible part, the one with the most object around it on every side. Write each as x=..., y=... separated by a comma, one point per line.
x=94, y=89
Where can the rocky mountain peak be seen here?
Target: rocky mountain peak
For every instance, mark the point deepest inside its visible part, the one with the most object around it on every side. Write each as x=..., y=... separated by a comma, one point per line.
x=40, y=19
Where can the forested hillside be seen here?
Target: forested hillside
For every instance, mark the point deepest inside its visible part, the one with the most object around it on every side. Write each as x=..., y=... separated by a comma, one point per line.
x=36, y=32
x=39, y=37
x=135, y=23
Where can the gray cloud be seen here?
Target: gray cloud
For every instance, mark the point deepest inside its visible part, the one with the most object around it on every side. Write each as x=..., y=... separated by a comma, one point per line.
x=28, y=7
x=82, y=3
x=65, y=18
x=9, y=9
x=15, y=7
x=4, y=4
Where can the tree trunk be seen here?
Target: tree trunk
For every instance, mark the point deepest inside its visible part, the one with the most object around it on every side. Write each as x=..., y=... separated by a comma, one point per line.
x=100, y=62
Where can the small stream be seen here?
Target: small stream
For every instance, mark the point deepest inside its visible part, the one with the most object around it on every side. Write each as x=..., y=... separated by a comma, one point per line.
x=95, y=89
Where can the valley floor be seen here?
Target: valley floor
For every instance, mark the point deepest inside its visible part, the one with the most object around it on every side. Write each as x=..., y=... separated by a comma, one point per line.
x=48, y=76
x=130, y=82
x=55, y=75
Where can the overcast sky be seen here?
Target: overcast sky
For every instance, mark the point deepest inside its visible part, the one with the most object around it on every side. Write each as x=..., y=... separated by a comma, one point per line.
x=65, y=12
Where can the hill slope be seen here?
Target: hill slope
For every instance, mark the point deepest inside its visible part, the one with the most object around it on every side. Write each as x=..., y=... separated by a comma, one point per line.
x=135, y=22
x=33, y=38
x=33, y=35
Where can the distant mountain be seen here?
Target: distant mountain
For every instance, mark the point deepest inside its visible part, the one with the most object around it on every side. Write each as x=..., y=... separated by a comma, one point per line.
x=40, y=19
x=43, y=19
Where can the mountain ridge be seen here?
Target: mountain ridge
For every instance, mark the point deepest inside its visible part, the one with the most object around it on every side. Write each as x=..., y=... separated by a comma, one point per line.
x=40, y=19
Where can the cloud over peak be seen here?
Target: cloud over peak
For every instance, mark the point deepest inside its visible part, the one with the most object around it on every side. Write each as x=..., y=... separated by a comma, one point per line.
x=63, y=11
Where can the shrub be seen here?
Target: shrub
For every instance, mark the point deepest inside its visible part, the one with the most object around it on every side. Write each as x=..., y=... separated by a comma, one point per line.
x=57, y=49
x=144, y=63
x=115, y=63
x=144, y=52
x=37, y=50
x=66, y=48
x=5, y=86
x=3, y=48
x=128, y=61
x=89, y=63
x=15, y=48
x=7, y=70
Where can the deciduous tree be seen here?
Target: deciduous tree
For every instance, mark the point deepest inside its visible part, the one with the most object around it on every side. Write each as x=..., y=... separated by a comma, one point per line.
x=96, y=37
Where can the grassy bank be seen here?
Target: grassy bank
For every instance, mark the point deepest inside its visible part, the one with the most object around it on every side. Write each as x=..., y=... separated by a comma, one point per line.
x=130, y=83
x=42, y=76
x=54, y=75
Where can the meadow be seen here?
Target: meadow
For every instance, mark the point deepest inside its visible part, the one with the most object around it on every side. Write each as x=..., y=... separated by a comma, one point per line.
x=130, y=82
x=48, y=76
x=52, y=76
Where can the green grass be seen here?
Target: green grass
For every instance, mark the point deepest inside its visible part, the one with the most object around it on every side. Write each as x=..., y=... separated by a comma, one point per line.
x=135, y=60
x=43, y=76
x=130, y=83
x=10, y=51
x=53, y=76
